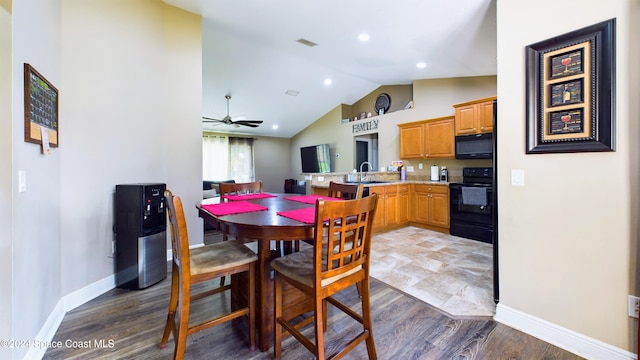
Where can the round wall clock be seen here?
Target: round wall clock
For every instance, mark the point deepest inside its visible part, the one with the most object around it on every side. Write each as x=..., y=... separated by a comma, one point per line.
x=383, y=102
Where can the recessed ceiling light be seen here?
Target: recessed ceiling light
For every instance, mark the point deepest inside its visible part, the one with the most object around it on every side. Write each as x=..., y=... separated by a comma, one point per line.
x=328, y=81
x=421, y=65
x=292, y=92
x=363, y=37
x=274, y=127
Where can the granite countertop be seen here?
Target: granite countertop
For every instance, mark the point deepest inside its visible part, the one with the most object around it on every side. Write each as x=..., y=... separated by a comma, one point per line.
x=390, y=182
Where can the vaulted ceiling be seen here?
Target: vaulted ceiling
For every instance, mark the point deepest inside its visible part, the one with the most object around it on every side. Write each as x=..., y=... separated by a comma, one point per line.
x=251, y=51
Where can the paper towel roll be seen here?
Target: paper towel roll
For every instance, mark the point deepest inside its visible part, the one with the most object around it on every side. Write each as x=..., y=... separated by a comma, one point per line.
x=434, y=173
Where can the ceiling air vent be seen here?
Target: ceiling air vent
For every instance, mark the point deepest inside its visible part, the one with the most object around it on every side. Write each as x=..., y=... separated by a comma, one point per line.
x=306, y=42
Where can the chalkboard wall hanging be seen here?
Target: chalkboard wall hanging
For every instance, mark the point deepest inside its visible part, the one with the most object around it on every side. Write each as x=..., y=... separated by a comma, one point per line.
x=40, y=108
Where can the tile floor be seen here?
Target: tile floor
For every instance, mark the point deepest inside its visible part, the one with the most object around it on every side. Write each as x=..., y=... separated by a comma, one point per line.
x=451, y=273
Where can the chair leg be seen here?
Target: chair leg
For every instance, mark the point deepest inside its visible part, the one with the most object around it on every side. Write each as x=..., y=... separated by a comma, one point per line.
x=182, y=327
x=277, y=328
x=319, y=327
x=324, y=314
x=252, y=306
x=366, y=318
x=173, y=305
x=224, y=238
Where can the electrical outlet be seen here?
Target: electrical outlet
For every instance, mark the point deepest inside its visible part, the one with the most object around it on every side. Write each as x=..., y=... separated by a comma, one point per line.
x=634, y=306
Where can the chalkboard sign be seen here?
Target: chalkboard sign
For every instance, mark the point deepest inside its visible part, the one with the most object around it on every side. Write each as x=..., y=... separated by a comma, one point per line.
x=40, y=108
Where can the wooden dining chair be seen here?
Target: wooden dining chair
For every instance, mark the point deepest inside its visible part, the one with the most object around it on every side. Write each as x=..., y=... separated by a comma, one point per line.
x=227, y=189
x=202, y=264
x=250, y=188
x=345, y=191
x=345, y=227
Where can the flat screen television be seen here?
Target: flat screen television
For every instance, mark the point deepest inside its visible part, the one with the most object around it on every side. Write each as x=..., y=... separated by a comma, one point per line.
x=315, y=159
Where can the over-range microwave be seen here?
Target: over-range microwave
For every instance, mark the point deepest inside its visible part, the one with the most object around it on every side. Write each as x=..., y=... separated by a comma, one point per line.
x=475, y=146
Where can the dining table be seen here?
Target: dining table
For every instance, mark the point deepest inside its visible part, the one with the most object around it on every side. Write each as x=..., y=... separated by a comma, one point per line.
x=265, y=219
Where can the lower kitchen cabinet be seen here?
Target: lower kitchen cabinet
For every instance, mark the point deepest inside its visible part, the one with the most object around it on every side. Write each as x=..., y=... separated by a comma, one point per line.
x=403, y=203
x=430, y=205
x=388, y=211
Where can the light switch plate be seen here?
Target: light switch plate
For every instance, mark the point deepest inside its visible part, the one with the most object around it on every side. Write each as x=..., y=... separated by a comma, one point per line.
x=22, y=181
x=409, y=168
x=517, y=177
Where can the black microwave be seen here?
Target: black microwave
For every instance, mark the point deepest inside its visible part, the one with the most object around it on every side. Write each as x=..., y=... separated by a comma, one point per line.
x=476, y=146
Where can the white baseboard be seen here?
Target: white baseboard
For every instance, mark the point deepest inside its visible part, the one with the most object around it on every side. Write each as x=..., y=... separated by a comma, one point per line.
x=68, y=303
x=564, y=338
x=90, y=292
x=47, y=332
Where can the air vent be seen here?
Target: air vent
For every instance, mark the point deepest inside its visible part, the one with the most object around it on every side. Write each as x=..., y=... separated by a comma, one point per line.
x=306, y=42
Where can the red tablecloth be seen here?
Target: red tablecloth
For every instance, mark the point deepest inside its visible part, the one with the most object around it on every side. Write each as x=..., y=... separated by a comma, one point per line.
x=310, y=199
x=242, y=197
x=234, y=207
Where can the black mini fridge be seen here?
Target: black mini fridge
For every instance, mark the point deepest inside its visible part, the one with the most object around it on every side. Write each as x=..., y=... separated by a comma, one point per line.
x=141, y=235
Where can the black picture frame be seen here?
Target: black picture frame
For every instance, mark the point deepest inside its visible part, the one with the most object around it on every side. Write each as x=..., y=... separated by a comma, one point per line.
x=40, y=108
x=570, y=85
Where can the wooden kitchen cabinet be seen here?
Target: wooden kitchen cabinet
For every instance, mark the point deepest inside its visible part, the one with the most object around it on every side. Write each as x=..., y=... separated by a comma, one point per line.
x=430, y=205
x=403, y=203
x=474, y=117
x=412, y=141
x=433, y=139
x=380, y=219
x=391, y=202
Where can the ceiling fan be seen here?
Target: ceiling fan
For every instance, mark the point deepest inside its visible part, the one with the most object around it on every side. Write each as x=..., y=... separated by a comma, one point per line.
x=227, y=120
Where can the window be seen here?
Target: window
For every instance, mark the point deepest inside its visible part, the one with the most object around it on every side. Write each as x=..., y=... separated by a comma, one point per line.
x=225, y=158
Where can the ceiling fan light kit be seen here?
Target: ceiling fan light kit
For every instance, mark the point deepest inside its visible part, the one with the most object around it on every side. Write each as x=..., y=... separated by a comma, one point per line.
x=227, y=120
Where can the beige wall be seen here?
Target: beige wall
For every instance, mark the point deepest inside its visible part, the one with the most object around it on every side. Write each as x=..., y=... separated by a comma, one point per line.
x=400, y=95
x=432, y=98
x=119, y=123
x=6, y=222
x=35, y=229
x=122, y=116
x=271, y=156
x=568, y=238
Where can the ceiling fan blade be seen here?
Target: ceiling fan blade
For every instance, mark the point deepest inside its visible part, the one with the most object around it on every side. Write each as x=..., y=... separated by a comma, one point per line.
x=228, y=120
x=249, y=125
x=207, y=119
x=247, y=122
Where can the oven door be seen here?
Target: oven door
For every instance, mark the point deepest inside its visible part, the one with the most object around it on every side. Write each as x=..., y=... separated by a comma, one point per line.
x=471, y=221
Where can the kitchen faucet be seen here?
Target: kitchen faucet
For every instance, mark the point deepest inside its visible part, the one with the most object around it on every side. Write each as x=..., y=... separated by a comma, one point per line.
x=362, y=175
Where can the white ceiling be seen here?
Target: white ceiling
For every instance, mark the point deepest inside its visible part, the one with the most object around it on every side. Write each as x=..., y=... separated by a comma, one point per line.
x=250, y=52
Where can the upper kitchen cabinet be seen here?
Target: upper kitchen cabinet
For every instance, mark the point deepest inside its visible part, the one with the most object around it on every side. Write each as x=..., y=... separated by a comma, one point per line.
x=433, y=139
x=474, y=117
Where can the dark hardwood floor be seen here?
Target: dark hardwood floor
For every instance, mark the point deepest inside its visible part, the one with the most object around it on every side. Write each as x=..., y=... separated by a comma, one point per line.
x=128, y=324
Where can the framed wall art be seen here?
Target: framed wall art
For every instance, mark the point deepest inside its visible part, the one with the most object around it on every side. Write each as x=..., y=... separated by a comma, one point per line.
x=571, y=91
x=40, y=109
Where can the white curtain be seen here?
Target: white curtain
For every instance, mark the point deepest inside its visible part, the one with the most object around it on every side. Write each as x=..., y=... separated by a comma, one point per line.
x=215, y=157
x=227, y=158
x=241, y=154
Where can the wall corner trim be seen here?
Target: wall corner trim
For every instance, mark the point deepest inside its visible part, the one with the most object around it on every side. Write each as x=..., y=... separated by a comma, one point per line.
x=65, y=304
